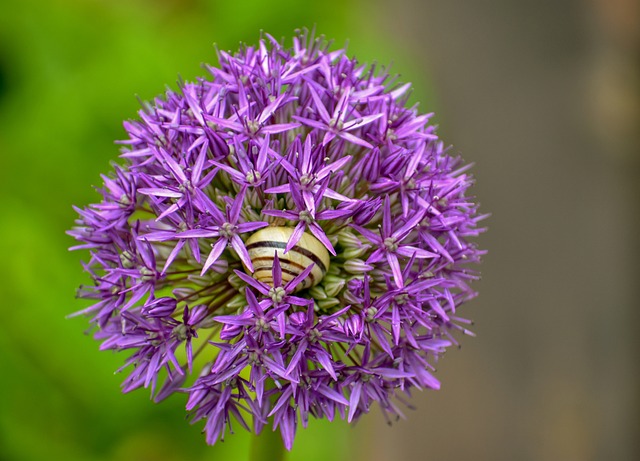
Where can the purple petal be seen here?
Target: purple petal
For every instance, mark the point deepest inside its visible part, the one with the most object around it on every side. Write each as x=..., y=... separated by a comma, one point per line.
x=395, y=268
x=334, y=195
x=324, y=358
x=197, y=168
x=172, y=209
x=253, y=303
x=295, y=236
x=362, y=121
x=332, y=394
x=277, y=271
x=238, y=245
x=309, y=201
x=354, y=399
x=319, y=106
x=156, y=192
x=335, y=166
x=235, y=174
x=301, y=349
x=210, y=207
x=409, y=251
x=366, y=233
x=354, y=139
x=320, y=235
x=237, y=205
x=281, y=214
x=251, y=226
x=309, y=122
x=278, y=189
x=270, y=109
x=199, y=233
x=386, y=218
x=278, y=128
x=261, y=287
x=172, y=256
x=174, y=167
x=216, y=251
x=297, y=280
x=333, y=214
x=409, y=226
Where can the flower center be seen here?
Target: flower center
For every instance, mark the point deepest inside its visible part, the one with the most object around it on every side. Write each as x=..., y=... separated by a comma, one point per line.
x=314, y=335
x=401, y=299
x=391, y=244
x=186, y=187
x=253, y=126
x=252, y=177
x=410, y=183
x=227, y=230
x=125, y=201
x=306, y=179
x=181, y=332
x=335, y=123
x=305, y=216
x=147, y=275
x=277, y=294
x=127, y=259
x=254, y=358
x=391, y=135
x=262, y=324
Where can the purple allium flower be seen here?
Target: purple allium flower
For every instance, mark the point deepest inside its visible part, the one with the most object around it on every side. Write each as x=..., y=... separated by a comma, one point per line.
x=305, y=139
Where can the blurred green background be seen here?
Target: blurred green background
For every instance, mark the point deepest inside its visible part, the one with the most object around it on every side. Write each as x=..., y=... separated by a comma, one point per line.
x=542, y=95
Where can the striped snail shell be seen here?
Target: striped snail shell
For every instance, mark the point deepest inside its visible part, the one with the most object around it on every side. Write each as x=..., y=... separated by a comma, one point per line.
x=265, y=243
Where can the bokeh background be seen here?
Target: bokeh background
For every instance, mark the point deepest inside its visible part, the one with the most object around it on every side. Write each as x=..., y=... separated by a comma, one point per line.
x=542, y=95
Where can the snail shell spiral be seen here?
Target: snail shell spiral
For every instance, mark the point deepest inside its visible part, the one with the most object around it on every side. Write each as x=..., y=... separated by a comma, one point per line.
x=265, y=243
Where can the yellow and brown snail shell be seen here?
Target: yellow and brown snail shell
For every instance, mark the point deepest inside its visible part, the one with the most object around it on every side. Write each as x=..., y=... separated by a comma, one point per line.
x=265, y=243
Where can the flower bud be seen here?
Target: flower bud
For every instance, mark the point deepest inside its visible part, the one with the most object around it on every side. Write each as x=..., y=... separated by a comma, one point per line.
x=317, y=292
x=357, y=266
x=353, y=253
x=327, y=303
x=348, y=239
x=237, y=302
x=161, y=307
x=353, y=325
x=367, y=211
x=333, y=288
x=217, y=145
x=235, y=281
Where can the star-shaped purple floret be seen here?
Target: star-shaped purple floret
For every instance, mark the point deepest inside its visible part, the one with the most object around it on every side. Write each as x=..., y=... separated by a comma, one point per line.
x=279, y=295
x=307, y=177
x=337, y=124
x=225, y=228
x=310, y=334
x=252, y=169
x=306, y=218
x=388, y=242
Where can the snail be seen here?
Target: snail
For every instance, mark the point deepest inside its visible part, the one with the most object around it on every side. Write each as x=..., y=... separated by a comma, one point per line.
x=265, y=243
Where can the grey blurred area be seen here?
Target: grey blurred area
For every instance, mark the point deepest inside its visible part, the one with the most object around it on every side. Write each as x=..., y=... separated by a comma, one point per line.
x=544, y=97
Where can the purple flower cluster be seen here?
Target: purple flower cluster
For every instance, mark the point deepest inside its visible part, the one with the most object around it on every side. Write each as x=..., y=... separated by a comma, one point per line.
x=304, y=138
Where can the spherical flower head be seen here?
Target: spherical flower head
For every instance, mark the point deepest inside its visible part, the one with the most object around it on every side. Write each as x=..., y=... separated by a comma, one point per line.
x=285, y=239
